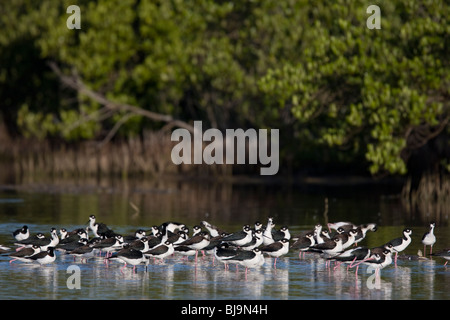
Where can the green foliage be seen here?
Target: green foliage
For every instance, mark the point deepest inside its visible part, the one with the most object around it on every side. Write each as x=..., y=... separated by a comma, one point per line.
x=338, y=91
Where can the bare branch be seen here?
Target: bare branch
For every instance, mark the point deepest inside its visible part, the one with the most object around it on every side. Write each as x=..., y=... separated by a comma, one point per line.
x=115, y=129
x=75, y=83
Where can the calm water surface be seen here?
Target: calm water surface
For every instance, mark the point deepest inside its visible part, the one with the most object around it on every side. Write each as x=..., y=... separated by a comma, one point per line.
x=42, y=207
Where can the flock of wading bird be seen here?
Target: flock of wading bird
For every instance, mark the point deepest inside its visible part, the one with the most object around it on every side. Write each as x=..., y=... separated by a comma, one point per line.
x=248, y=247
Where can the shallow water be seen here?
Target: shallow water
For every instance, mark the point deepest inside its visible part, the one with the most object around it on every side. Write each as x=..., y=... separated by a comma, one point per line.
x=229, y=208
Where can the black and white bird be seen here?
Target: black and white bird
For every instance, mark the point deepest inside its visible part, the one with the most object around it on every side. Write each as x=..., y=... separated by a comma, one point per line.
x=239, y=238
x=22, y=233
x=160, y=251
x=197, y=242
x=258, y=226
x=63, y=233
x=41, y=241
x=129, y=256
x=212, y=229
x=33, y=240
x=257, y=240
x=317, y=232
x=276, y=249
x=248, y=259
x=348, y=237
x=109, y=245
x=172, y=227
x=97, y=228
x=44, y=256
x=303, y=243
x=429, y=239
x=138, y=234
x=84, y=252
x=223, y=252
x=380, y=258
x=322, y=236
x=363, y=229
x=185, y=251
x=345, y=225
x=72, y=237
x=400, y=244
x=67, y=247
x=283, y=233
x=154, y=240
x=352, y=256
x=443, y=254
x=331, y=247
x=24, y=254
x=139, y=244
x=196, y=230
x=267, y=234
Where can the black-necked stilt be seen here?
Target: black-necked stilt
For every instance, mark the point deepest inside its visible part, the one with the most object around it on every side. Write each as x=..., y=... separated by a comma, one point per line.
x=129, y=256
x=139, y=244
x=276, y=249
x=257, y=240
x=429, y=239
x=379, y=258
x=44, y=257
x=353, y=256
x=22, y=233
x=197, y=242
x=214, y=242
x=330, y=247
x=177, y=237
x=362, y=231
x=72, y=236
x=97, y=228
x=24, y=254
x=258, y=226
x=345, y=225
x=248, y=259
x=223, y=252
x=161, y=251
x=41, y=241
x=443, y=254
x=322, y=236
x=283, y=233
x=63, y=233
x=400, y=244
x=348, y=237
x=154, y=240
x=138, y=234
x=303, y=243
x=172, y=227
x=267, y=234
x=154, y=230
x=239, y=238
x=84, y=252
x=110, y=245
x=213, y=230
x=33, y=240
x=185, y=251
x=72, y=245
x=196, y=230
